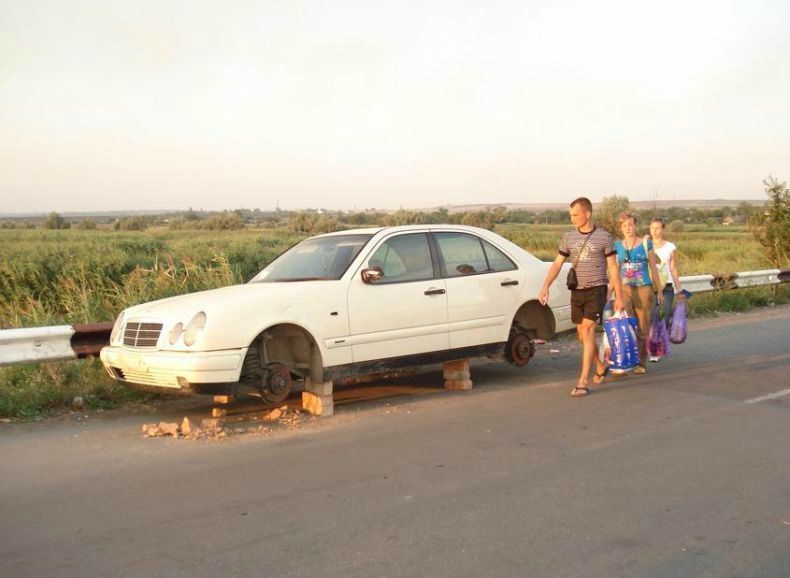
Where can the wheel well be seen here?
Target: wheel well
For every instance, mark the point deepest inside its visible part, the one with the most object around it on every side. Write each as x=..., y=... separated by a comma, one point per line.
x=291, y=345
x=535, y=320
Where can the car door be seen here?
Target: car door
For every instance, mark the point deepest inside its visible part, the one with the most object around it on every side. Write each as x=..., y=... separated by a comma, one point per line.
x=405, y=312
x=483, y=284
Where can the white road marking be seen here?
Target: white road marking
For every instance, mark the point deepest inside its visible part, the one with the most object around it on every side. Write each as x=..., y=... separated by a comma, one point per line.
x=776, y=395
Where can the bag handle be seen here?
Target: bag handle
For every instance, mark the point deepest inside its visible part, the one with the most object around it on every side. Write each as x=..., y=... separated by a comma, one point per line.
x=579, y=256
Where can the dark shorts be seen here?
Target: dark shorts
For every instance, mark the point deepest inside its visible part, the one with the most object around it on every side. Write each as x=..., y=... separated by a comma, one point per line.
x=588, y=304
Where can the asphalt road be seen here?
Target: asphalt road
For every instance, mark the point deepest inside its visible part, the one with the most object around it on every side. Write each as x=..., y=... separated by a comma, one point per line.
x=682, y=472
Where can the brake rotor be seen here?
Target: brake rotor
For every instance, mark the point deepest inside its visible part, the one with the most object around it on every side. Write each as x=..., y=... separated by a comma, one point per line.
x=276, y=384
x=519, y=349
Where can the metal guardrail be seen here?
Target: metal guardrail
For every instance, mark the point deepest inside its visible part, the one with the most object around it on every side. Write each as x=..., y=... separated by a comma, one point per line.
x=38, y=344
x=700, y=283
x=59, y=343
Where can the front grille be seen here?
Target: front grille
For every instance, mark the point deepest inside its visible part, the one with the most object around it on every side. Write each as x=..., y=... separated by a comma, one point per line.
x=138, y=334
x=148, y=377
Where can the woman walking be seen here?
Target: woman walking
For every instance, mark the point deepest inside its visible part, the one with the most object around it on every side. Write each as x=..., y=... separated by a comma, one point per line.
x=637, y=265
x=668, y=276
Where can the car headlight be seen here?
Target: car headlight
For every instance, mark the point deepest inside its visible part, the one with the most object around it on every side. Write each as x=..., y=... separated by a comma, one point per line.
x=194, y=327
x=116, y=329
x=176, y=332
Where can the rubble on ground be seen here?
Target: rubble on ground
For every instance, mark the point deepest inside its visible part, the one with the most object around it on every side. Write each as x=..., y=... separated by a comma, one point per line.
x=219, y=428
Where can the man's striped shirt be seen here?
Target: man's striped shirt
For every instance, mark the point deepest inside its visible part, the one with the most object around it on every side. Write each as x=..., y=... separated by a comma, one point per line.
x=591, y=265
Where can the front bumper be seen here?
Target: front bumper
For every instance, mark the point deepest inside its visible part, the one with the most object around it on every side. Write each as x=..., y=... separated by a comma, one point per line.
x=175, y=371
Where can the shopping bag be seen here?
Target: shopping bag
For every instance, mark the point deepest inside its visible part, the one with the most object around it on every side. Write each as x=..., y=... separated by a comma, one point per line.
x=658, y=341
x=620, y=332
x=678, y=329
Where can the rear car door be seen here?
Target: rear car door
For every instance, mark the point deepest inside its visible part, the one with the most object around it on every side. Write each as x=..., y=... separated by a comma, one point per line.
x=483, y=284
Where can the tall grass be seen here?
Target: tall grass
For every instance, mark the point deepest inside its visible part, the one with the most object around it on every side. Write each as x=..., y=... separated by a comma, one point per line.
x=55, y=277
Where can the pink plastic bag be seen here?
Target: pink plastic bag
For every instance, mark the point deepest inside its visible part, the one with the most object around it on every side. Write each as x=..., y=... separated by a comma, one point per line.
x=678, y=329
x=658, y=342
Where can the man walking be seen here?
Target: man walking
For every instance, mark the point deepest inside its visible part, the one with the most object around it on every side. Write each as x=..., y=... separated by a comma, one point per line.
x=592, y=254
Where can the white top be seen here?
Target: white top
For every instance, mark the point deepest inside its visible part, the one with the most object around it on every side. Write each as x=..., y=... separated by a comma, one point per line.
x=663, y=257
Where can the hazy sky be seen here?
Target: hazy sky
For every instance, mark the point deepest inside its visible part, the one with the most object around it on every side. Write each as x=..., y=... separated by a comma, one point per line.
x=151, y=104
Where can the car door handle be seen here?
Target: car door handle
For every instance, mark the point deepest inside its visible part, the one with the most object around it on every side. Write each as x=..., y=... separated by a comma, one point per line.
x=506, y=283
x=435, y=292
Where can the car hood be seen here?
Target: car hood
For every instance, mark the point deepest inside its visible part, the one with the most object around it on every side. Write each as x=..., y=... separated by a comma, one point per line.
x=276, y=297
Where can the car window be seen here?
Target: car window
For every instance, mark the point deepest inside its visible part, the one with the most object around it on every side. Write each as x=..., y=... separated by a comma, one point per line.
x=462, y=254
x=313, y=259
x=403, y=258
x=497, y=260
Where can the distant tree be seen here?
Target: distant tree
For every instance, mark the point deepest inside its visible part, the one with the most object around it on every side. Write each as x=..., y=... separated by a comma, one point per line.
x=176, y=223
x=301, y=222
x=744, y=211
x=482, y=219
x=55, y=221
x=86, y=225
x=191, y=215
x=607, y=214
x=771, y=226
x=676, y=226
x=136, y=223
x=222, y=222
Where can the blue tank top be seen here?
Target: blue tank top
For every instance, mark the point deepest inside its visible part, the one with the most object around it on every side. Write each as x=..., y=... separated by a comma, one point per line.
x=634, y=263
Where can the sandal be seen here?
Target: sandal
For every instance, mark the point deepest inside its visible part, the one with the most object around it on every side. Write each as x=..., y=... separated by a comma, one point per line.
x=599, y=377
x=580, y=391
x=640, y=369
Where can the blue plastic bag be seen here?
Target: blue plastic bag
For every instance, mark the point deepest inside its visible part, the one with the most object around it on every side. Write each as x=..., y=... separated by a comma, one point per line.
x=623, y=345
x=678, y=328
x=658, y=342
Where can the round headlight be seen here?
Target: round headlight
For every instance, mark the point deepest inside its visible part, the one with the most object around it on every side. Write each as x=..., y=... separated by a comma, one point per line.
x=176, y=332
x=116, y=329
x=194, y=327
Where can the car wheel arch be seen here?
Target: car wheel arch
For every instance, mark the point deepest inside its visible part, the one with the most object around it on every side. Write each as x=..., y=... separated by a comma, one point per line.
x=291, y=345
x=535, y=319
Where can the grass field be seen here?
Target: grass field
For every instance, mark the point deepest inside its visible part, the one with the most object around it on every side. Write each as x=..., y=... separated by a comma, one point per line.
x=52, y=277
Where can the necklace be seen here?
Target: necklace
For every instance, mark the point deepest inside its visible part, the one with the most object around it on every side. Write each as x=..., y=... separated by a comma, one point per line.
x=627, y=249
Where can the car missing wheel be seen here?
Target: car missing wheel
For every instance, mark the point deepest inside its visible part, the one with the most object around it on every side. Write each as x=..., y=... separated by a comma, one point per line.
x=343, y=304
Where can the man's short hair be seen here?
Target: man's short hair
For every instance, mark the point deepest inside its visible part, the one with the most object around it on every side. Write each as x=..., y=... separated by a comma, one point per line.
x=626, y=216
x=584, y=202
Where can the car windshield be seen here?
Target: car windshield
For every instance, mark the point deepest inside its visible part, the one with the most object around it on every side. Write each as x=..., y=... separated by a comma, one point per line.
x=321, y=258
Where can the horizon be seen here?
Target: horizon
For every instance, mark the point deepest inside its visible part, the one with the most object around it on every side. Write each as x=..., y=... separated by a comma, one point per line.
x=351, y=105
x=709, y=204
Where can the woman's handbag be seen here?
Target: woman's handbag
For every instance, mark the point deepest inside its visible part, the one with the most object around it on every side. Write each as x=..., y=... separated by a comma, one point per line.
x=621, y=336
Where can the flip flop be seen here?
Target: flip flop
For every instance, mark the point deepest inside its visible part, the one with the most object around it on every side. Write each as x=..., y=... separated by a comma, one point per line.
x=600, y=377
x=579, y=391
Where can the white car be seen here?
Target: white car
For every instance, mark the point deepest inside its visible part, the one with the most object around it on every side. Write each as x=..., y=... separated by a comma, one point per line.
x=346, y=303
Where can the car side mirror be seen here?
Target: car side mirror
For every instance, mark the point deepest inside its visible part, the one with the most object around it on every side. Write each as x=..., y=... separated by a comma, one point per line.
x=372, y=275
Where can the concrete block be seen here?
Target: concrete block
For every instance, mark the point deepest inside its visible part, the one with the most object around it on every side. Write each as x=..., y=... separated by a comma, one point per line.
x=456, y=375
x=223, y=398
x=458, y=365
x=322, y=405
x=458, y=385
x=219, y=412
x=323, y=388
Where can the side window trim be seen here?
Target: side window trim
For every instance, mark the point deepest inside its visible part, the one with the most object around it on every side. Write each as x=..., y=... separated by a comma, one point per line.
x=505, y=255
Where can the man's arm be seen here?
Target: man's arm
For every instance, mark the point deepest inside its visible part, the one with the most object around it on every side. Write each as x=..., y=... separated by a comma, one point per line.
x=554, y=270
x=614, y=281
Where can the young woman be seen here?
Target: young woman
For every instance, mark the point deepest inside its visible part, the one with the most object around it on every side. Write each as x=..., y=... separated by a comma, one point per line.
x=669, y=278
x=637, y=262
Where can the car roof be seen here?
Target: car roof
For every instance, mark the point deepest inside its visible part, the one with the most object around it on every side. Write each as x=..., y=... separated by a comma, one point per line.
x=398, y=228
